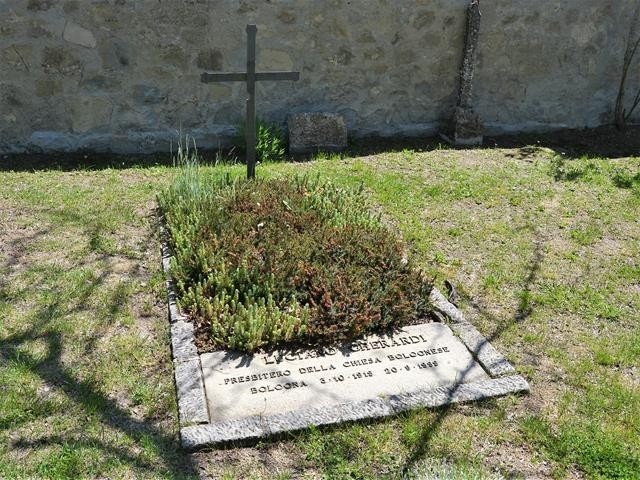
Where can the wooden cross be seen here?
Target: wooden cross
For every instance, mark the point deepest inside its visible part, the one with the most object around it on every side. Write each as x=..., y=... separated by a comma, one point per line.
x=251, y=77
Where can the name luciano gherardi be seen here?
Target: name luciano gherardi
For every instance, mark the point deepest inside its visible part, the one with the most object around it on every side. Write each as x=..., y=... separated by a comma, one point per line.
x=359, y=346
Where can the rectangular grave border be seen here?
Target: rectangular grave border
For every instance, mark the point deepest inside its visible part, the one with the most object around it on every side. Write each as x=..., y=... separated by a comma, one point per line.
x=192, y=400
x=196, y=430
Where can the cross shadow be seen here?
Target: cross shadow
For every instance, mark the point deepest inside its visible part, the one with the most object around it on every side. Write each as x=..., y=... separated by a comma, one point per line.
x=525, y=308
x=522, y=313
x=50, y=368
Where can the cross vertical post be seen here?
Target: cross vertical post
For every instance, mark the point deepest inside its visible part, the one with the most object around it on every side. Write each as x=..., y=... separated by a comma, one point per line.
x=250, y=123
x=251, y=77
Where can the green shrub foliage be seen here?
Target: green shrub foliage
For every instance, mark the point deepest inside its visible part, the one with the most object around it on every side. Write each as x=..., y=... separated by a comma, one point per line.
x=270, y=261
x=270, y=143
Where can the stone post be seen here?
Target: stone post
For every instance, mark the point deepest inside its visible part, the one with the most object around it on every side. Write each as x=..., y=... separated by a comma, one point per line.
x=466, y=128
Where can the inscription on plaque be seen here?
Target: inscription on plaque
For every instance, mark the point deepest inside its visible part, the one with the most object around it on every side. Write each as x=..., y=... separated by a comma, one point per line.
x=413, y=358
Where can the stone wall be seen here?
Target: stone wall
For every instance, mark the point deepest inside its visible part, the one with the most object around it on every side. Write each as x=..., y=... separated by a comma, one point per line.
x=123, y=75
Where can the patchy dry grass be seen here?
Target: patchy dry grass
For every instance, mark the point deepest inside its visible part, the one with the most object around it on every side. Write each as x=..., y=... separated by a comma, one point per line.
x=546, y=253
x=84, y=361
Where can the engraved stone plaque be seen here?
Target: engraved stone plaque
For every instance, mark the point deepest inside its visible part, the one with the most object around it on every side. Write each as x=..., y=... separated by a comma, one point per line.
x=414, y=358
x=313, y=131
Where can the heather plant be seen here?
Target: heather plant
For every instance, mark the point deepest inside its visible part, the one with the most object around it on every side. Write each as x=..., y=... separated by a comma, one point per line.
x=271, y=261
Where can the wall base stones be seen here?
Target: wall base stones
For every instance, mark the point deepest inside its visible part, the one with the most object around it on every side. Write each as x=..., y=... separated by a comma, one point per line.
x=133, y=141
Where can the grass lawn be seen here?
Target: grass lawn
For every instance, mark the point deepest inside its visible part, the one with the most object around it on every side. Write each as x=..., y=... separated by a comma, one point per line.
x=545, y=251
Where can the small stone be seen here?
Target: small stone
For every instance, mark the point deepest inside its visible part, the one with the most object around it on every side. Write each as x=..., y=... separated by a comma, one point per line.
x=246, y=7
x=219, y=92
x=343, y=57
x=48, y=87
x=90, y=112
x=59, y=60
x=210, y=59
x=175, y=56
x=39, y=5
x=116, y=53
x=147, y=94
x=99, y=83
x=424, y=19
x=11, y=95
x=309, y=132
x=192, y=404
x=274, y=60
x=366, y=37
x=70, y=6
x=74, y=33
x=287, y=16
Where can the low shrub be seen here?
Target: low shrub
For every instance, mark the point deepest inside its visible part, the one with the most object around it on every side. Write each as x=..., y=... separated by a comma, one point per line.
x=622, y=178
x=270, y=261
x=270, y=142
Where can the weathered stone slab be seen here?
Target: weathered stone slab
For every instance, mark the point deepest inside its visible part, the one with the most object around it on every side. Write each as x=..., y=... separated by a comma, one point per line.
x=192, y=404
x=441, y=304
x=416, y=357
x=262, y=426
x=183, y=340
x=81, y=36
x=310, y=132
x=492, y=360
x=174, y=312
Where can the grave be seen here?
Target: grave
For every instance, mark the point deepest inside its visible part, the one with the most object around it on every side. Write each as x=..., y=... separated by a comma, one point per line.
x=226, y=396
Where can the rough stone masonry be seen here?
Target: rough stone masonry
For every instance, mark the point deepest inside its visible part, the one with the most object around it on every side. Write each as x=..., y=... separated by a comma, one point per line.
x=123, y=75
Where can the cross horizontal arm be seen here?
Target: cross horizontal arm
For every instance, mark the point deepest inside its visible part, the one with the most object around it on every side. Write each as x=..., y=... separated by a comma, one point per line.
x=210, y=77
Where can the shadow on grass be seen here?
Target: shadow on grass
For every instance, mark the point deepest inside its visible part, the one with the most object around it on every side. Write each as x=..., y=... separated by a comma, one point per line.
x=601, y=142
x=522, y=313
x=525, y=307
x=88, y=161
x=85, y=393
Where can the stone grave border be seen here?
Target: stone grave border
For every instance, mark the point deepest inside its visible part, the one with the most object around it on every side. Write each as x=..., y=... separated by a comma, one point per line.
x=196, y=430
